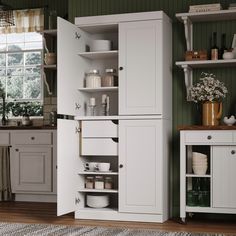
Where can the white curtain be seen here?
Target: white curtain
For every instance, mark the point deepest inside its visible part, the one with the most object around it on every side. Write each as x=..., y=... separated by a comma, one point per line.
x=5, y=182
x=29, y=20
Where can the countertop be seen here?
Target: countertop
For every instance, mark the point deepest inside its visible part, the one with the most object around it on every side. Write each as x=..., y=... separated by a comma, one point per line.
x=201, y=127
x=21, y=127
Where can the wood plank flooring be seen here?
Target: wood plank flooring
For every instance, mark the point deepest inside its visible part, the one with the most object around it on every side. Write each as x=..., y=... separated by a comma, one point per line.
x=45, y=213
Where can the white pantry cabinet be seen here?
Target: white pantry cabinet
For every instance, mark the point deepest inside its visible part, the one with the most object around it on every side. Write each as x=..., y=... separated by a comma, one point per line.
x=134, y=138
x=217, y=191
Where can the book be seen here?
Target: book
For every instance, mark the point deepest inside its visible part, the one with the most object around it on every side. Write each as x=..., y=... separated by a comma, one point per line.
x=205, y=7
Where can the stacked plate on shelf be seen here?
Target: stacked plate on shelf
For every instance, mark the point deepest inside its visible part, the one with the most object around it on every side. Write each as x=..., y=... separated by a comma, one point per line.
x=199, y=163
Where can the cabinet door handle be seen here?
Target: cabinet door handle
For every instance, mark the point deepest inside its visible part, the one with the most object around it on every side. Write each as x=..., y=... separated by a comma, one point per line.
x=209, y=137
x=17, y=150
x=121, y=166
x=121, y=68
x=33, y=138
x=77, y=106
x=233, y=152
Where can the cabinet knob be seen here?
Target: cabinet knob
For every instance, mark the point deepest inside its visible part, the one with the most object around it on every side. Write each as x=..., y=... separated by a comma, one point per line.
x=209, y=137
x=33, y=138
x=121, y=68
x=233, y=152
x=121, y=166
x=17, y=150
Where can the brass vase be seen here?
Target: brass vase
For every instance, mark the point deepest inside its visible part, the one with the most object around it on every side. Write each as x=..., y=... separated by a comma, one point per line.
x=211, y=113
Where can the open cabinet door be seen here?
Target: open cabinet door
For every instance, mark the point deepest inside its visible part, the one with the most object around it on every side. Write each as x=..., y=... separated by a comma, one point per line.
x=67, y=164
x=70, y=67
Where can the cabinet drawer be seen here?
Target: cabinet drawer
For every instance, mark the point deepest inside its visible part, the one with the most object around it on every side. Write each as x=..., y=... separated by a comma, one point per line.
x=4, y=138
x=32, y=138
x=101, y=129
x=208, y=137
x=99, y=147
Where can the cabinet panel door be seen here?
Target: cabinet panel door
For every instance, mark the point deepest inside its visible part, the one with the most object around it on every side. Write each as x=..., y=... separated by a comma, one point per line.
x=31, y=169
x=224, y=175
x=140, y=55
x=70, y=67
x=140, y=153
x=67, y=165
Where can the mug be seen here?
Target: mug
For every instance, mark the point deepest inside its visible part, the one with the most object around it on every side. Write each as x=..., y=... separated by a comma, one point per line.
x=103, y=166
x=91, y=166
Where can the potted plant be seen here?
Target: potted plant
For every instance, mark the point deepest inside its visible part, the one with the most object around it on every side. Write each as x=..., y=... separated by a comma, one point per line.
x=210, y=92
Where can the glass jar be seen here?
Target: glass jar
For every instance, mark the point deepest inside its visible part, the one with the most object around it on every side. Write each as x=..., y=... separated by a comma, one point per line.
x=89, y=182
x=108, y=182
x=93, y=79
x=110, y=79
x=99, y=182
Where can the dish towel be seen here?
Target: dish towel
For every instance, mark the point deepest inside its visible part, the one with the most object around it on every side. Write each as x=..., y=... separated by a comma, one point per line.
x=5, y=182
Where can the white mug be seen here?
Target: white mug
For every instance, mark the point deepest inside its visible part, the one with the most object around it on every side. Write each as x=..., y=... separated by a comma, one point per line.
x=103, y=166
x=92, y=166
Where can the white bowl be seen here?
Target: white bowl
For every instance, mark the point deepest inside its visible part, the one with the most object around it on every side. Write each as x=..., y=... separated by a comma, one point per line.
x=98, y=201
x=100, y=45
x=228, y=55
x=199, y=170
x=200, y=162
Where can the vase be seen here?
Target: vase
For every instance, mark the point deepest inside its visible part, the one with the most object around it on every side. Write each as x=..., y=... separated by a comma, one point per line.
x=211, y=113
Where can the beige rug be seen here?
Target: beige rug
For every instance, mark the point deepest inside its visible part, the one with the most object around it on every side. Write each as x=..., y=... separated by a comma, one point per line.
x=16, y=229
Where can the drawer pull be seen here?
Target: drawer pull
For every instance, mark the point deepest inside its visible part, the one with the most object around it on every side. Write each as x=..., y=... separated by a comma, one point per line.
x=115, y=140
x=233, y=152
x=121, y=166
x=32, y=138
x=209, y=137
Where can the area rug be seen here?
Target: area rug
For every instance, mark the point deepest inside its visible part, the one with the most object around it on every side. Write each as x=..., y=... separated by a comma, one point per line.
x=16, y=229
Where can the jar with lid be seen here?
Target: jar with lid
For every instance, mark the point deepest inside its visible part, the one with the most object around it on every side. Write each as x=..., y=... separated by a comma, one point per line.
x=99, y=182
x=93, y=79
x=108, y=182
x=89, y=182
x=110, y=79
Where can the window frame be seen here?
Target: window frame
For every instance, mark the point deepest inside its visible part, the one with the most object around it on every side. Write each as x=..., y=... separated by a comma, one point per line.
x=40, y=66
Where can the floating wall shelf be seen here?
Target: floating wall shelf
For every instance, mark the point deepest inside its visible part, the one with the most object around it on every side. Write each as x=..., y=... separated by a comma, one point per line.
x=188, y=19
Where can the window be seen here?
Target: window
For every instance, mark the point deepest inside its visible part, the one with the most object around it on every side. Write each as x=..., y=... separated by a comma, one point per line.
x=20, y=69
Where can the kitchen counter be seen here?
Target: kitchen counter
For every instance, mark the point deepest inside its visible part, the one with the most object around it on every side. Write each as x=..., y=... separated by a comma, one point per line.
x=21, y=127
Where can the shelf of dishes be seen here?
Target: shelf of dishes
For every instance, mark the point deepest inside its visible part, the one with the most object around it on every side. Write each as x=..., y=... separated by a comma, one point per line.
x=99, y=55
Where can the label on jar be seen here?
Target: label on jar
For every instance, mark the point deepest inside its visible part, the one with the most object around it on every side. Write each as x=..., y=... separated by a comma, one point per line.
x=214, y=54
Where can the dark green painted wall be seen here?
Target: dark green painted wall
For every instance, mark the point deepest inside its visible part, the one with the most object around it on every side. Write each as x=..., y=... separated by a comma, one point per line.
x=183, y=112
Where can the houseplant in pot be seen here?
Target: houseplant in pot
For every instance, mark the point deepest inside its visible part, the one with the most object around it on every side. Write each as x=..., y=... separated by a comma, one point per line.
x=210, y=92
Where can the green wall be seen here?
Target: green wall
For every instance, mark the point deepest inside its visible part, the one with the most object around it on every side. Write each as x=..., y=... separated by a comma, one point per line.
x=183, y=112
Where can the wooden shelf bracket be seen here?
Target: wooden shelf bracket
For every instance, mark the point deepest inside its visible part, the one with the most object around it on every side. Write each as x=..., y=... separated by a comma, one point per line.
x=188, y=30
x=188, y=78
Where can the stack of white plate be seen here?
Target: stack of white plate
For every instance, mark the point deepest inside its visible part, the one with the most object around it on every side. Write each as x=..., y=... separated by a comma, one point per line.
x=199, y=163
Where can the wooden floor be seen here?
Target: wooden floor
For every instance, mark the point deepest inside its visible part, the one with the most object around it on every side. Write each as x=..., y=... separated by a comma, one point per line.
x=46, y=213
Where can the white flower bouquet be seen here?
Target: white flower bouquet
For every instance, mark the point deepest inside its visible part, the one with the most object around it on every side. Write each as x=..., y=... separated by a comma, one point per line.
x=208, y=89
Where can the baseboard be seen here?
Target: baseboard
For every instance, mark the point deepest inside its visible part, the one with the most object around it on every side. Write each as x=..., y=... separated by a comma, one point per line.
x=35, y=198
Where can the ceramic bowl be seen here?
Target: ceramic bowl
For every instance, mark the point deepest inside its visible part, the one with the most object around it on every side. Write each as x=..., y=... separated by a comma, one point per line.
x=100, y=45
x=98, y=201
x=228, y=55
x=199, y=170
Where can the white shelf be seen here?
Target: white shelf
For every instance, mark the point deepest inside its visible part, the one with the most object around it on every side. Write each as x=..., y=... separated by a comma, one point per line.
x=97, y=173
x=208, y=16
x=53, y=67
x=206, y=63
x=101, y=89
x=98, y=190
x=103, y=209
x=198, y=176
x=99, y=54
x=188, y=19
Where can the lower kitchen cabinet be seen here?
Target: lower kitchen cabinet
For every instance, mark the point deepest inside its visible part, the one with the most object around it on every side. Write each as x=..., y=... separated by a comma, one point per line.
x=33, y=159
x=224, y=176
x=138, y=171
x=32, y=169
x=215, y=190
